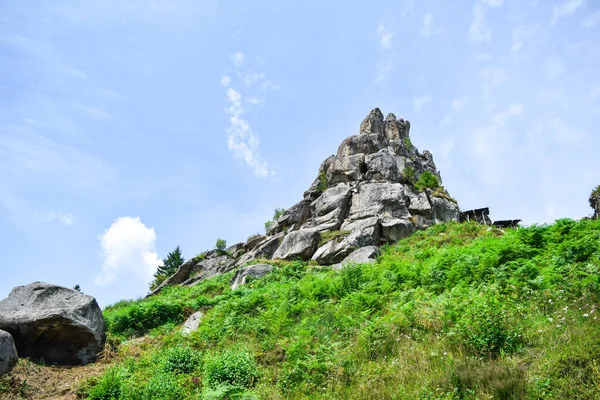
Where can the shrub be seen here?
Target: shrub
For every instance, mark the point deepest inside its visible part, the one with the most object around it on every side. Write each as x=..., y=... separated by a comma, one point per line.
x=276, y=214
x=181, y=360
x=235, y=366
x=409, y=175
x=109, y=387
x=323, y=184
x=427, y=181
x=486, y=326
x=199, y=257
x=408, y=144
x=137, y=319
x=502, y=382
x=595, y=201
x=221, y=245
x=162, y=387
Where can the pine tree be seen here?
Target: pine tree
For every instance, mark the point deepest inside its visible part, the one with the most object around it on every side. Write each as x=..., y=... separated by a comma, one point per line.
x=170, y=265
x=595, y=201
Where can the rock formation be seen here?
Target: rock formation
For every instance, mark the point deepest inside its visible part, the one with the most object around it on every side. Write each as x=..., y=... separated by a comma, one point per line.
x=8, y=352
x=364, y=195
x=53, y=323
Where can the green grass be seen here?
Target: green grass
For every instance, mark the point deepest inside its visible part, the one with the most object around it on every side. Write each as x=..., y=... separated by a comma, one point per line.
x=453, y=312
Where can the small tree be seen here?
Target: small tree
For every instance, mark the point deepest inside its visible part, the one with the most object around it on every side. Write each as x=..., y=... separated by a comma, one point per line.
x=595, y=201
x=170, y=265
x=221, y=245
x=78, y=288
x=278, y=213
x=427, y=180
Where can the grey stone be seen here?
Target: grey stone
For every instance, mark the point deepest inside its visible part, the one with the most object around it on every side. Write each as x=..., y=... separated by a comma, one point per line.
x=346, y=169
x=443, y=209
x=384, y=165
x=192, y=323
x=53, y=323
x=373, y=123
x=180, y=276
x=360, y=144
x=299, y=244
x=363, y=232
x=252, y=271
x=210, y=267
x=236, y=250
x=394, y=229
x=327, y=222
x=418, y=204
x=364, y=255
x=378, y=199
x=293, y=217
x=254, y=242
x=334, y=197
x=332, y=252
x=8, y=352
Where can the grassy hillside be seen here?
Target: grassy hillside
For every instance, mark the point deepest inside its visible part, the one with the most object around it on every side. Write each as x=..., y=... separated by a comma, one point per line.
x=459, y=311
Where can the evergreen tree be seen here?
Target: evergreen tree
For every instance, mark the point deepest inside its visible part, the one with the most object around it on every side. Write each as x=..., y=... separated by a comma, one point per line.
x=170, y=265
x=595, y=201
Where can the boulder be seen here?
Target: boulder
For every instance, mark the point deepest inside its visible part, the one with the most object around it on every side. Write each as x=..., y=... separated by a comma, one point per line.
x=394, y=229
x=8, y=352
x=346, y=169
x=192, y=323
x=378, y=199
x=364, y=232
x=418, y=204
x=332, y=252
x=209, y=268
x=444, y=210
x=364, y=255
x=252, y=271
x=293, y=217
x=53, y=323
x=384, y=166
x=360, y=144
x=299, y=244
x=333, y=198
x=254, y=241
x=237, y=250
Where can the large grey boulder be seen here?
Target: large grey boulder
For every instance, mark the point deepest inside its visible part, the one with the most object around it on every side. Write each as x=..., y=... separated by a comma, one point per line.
x=299, y=244
x=379, y=199
x=346, y=169
x=394, y=229
x=373, y=123
x=364, y=255
x=8, y=352
x=252, y=271
x=364, y=232
x=385, y=166
x=53, y=323
x=293, y=217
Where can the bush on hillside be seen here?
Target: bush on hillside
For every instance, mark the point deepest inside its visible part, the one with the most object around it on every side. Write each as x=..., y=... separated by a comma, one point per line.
x=236, y=367
x=427, y=181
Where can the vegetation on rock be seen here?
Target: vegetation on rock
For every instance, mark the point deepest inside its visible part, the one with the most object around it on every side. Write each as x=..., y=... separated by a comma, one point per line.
x=454, y=312
x=427, y=180
x=170, y=265
x=276, y=214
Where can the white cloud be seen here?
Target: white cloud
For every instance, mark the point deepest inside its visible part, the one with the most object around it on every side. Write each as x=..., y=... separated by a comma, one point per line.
x=238, y=58
x=479, y=31
x=421, y=102
x=429, y=27
x=241, y=140
x=385, y=37
x=493, y=3
x=268, y=85
x=226, y=81
x=252, y=77
x=566, y=8
x=128, y=246
x=63, y=218
x=254, y=100
x=591, y=20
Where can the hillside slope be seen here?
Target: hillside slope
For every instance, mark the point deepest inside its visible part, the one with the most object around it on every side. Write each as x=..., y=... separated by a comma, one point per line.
x=456, y=311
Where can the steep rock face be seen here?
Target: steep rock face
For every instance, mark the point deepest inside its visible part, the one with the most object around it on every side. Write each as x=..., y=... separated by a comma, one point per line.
x=53, y=323
x=364, y=195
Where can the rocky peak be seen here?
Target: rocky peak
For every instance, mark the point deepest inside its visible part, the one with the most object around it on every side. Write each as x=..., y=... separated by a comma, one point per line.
x=364, y=195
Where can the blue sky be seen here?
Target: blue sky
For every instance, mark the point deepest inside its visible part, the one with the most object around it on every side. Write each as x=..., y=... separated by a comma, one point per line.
x=130, y=127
